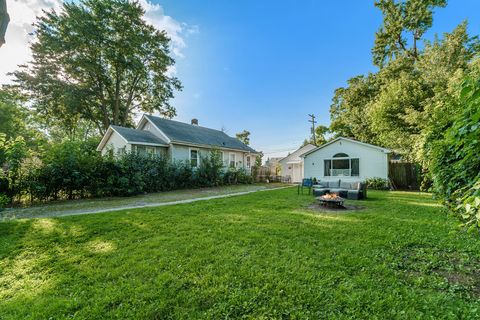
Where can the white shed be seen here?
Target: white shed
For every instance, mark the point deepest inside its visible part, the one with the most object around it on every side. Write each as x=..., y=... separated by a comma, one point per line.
x=346, y=159
x=292, y=165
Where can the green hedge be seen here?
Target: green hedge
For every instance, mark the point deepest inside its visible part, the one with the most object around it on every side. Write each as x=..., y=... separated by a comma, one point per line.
x=455, y=166
x=74, y=170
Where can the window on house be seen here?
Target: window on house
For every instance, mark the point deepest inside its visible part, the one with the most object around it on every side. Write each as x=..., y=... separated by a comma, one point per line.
x=248, y=162
x=232, y=160
x=341, y=165
x=341, y=155
x=121, y=151
x=222, y=157
x=150, y=150
x=194, y=158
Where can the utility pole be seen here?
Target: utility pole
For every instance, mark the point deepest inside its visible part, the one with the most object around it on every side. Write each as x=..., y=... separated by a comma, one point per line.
x=313, y=128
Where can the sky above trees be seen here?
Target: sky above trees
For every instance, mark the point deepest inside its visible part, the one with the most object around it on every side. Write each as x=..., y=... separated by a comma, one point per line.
x=256, y=65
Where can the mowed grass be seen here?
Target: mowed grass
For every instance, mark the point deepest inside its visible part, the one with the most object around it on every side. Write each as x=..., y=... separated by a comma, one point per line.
x=67, y=207
x=263, y=255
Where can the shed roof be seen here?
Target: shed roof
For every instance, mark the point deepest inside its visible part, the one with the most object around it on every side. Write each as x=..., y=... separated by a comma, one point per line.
x=385, y=150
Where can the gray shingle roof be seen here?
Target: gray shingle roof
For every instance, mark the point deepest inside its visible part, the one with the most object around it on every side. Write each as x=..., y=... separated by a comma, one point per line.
x=141, y=136
x=182, y=132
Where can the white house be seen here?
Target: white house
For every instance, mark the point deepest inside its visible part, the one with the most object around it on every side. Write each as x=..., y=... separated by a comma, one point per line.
x=273, y=165
x=346, y=159
x=178, y=141
x=292, y=165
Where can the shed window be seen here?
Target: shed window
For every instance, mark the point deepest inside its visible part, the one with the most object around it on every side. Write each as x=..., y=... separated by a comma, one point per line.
x=342, y=166
x=341, y=155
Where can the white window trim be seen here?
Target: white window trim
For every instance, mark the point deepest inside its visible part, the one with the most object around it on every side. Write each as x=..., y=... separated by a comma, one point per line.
x=234, y=160
x=190, y=156
x=248, y=162
x=340, y=158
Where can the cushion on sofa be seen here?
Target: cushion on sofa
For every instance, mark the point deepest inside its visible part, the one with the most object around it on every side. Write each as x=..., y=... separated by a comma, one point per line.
x=334, y=184
x=346, y=185
x=322, y=184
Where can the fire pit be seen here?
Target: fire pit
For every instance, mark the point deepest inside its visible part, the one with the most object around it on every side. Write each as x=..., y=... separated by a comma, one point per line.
x=331, y=200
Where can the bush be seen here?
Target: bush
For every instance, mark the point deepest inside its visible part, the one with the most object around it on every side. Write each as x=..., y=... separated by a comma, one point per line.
x=4, y=200
x=455, y=160
x=74, y=170
x=377, y=184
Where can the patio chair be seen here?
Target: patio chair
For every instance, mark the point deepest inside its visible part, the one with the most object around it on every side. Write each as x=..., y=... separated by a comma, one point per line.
x=306, y=183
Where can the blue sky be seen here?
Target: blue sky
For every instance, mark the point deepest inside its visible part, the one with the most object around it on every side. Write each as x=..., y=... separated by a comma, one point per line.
x=260, y=65
x=264, y=65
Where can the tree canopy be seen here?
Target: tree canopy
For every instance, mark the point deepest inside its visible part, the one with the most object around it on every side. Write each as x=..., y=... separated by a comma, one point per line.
x=402, y=20
x=244, y=136
x=99, y=62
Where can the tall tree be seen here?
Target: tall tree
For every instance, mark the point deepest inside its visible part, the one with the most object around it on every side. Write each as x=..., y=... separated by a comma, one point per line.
x=98, y=61
x=402, y=20
x=349, y=108
x=244, y=136
x=17, y=121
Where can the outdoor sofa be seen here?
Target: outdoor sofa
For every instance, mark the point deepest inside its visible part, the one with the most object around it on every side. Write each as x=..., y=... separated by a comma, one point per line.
x=348, y=190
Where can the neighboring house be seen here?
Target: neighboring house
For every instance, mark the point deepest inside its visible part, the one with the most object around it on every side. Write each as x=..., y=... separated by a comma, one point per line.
x=292, y=165
x=347, y=159
x=273, y=165
x=178, y=141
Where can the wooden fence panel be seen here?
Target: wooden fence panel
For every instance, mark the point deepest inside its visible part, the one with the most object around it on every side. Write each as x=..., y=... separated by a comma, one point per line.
x=404, y=176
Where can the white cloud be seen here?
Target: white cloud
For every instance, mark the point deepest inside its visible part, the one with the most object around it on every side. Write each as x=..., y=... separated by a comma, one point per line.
x=23, y=13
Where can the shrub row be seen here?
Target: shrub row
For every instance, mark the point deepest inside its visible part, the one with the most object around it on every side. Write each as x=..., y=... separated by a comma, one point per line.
x=74, y=170
x=455, y=166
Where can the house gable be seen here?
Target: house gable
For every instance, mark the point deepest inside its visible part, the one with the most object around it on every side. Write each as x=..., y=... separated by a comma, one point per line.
x=146, y=124
x=372, y=160
x=384, y=150
x=296, y=155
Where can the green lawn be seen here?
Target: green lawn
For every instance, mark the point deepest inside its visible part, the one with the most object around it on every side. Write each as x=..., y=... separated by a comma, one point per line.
x=62, y=207
x=262, y=255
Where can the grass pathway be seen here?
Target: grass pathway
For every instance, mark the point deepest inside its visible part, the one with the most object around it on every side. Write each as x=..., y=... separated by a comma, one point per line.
x=94, y=206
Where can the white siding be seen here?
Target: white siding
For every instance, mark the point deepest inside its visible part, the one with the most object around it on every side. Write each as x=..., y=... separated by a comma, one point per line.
x=294, y=169
x=373, y=162
x=182, y=153
x=114, y=143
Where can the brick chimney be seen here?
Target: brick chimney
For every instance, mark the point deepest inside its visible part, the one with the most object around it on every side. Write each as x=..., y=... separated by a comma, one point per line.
x=194, y=122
